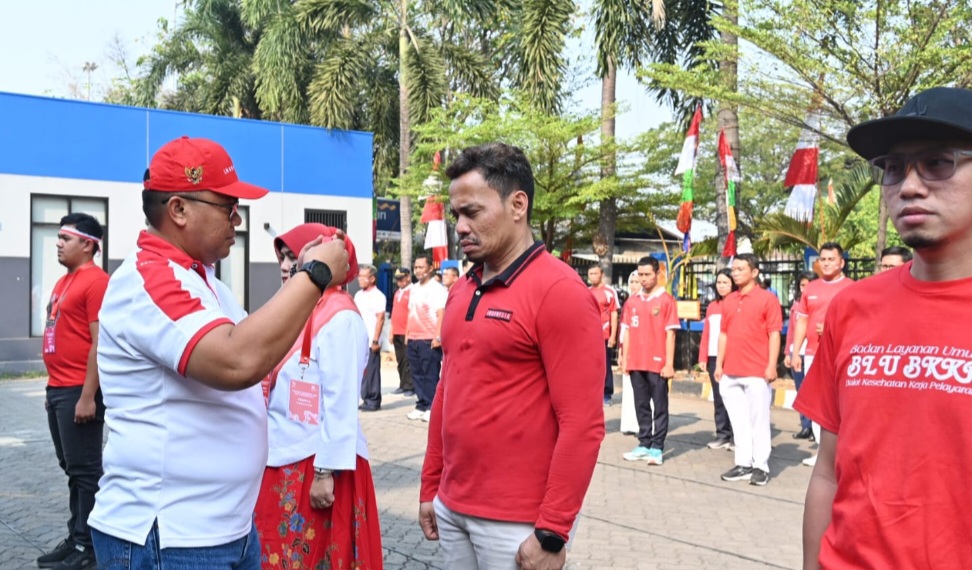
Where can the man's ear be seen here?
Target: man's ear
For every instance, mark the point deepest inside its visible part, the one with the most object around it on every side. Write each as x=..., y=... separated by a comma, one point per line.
x=520, y=203
x=175, y=210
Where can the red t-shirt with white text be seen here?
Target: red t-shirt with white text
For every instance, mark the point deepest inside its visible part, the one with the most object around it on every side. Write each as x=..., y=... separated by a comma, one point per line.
x=813, y=307
x=647, y=319
x=896, y=388
x=607, y=304
x=748, y=320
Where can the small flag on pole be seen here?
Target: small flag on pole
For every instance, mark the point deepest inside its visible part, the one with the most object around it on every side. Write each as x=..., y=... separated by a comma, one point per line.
x=802, y=173
x=686, y=167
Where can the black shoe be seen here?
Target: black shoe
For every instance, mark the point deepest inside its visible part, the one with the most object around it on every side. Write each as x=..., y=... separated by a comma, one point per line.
x=398, y=391
x=759, y=477
x=805, y=433
x=78, y=560
x=409, y=393
x=60, y=552
x=738, y=473
x=365, y=408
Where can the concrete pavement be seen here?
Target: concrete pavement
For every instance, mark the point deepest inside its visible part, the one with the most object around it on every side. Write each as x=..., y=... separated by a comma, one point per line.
x=680, y=515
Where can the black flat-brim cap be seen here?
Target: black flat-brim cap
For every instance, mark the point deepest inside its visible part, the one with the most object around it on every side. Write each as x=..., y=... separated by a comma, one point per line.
x=940, y=113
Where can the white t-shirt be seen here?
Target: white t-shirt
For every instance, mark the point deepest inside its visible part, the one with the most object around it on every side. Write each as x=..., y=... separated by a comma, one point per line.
x=370, y=302
x=424, y=301
x=178, y=451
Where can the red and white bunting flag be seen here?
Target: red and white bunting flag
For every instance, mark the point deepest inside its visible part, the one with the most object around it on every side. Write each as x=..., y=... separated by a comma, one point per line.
x=686, y=161
x=802, y=174
x=436, y=239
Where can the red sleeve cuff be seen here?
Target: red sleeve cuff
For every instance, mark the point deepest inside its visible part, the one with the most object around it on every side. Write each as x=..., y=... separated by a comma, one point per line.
x=184, y=361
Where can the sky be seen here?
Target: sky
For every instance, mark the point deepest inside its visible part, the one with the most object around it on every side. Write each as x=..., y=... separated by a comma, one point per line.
x=45, y=44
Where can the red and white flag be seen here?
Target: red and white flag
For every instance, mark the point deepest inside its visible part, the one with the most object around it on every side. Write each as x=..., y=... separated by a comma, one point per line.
x=436, y=238
x=686, y=167
x=802, y=174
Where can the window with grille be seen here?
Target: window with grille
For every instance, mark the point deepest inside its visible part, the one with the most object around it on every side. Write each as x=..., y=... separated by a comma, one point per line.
x=333, y=218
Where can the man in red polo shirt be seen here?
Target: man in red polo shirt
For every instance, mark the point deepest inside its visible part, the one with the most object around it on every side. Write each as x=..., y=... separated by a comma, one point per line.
x=891, y=384
x=812, y=308
x=75, y=411
x=749, y=346
x=650, y=321
x=607, y=303
x=517, y=419
x=399, y=325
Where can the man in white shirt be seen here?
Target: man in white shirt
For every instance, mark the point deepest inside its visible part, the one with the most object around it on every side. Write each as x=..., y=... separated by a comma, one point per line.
x=180, y=363
x=371, y=304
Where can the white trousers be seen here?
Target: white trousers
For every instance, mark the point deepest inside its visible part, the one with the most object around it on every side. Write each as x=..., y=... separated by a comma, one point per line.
x=629, y=419
x=807, y=361
x=472, y=543
x=748, y=399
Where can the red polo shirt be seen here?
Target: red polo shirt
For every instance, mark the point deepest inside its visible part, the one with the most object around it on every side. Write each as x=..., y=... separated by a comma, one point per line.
x=399, y=312
x=748, y=319
x=74, y=305
x=648, y=318
x=517, y=420
x=813, y=307
x=607, y=304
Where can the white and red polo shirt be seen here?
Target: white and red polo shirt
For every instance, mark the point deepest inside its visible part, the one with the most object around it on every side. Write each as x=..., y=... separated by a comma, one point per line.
x=647, y=319
x=607, y=304
x=178, y=451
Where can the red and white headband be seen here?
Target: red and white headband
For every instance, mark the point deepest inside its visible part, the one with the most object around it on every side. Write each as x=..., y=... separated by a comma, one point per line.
x=76, y=232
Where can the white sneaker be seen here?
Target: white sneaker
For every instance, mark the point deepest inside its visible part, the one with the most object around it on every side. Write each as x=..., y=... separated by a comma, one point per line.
x=416, y=414
x=810, y=461
x=426, y=416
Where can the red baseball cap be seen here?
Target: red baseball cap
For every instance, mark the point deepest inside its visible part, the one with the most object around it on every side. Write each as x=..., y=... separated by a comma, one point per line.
x=189, y=165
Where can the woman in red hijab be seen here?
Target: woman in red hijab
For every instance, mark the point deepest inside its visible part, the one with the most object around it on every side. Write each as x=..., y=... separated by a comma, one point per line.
x=317, y=504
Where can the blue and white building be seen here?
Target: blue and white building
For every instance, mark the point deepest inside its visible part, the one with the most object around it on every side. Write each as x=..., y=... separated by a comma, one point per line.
x=59, y=156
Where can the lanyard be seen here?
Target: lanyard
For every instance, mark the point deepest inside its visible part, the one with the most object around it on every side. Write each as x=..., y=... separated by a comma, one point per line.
x=54, y=307
x=306, y=346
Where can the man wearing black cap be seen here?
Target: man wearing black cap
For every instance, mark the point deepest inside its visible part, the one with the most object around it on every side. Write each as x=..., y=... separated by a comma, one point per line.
x=180, y=363
x=891, y=384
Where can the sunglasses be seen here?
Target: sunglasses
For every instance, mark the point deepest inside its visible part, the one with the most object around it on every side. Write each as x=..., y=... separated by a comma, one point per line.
x=232, y=207
x=932, y=165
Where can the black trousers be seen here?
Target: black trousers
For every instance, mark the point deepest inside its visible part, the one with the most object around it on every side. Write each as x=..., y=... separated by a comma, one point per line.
x=78, y=449
x=426, y=362
x=723, y=427
x=648, y=388
x=609, y=375
x=404, y=370
x=371, y=383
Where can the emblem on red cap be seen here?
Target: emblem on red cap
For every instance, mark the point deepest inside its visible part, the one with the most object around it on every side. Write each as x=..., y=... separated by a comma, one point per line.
x=194, y=174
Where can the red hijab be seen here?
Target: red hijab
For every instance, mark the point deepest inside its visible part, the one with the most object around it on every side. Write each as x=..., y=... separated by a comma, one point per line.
x=303, y=234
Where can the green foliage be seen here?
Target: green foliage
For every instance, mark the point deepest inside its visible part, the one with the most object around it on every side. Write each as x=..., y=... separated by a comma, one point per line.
x=565, y=154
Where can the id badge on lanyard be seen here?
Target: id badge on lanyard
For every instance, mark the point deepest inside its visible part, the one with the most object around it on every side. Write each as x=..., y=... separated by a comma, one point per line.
x=52, y=309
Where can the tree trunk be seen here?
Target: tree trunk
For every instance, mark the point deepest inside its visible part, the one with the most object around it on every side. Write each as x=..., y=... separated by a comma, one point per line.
x=404, y=136
x=728, y=121
x=882, y=230
x=608, y=210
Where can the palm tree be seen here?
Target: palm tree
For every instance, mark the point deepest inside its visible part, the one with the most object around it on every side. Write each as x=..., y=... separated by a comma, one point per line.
x=622, y=32
x=778, y=230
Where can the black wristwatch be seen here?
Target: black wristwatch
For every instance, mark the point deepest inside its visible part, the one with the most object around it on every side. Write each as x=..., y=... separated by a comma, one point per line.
x=549, y=541
x=319, y=273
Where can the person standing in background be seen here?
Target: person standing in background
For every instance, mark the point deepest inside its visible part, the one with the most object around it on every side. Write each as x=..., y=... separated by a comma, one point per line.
x=708, y=352
x=607, y=303
x=371, y=303
x=399, y=325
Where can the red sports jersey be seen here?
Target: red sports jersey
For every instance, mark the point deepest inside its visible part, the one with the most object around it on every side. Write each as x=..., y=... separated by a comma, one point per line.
x=607, y=304
x=74, y=305
x=748, y=319
x=647, y=318
x=399, y=312
x=813, y=306
x=903, y=495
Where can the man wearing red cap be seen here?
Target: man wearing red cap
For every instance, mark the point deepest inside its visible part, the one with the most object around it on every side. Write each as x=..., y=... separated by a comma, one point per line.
x=180, y=363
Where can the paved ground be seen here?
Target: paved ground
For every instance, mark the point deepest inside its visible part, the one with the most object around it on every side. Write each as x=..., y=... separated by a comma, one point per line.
x=679, y=515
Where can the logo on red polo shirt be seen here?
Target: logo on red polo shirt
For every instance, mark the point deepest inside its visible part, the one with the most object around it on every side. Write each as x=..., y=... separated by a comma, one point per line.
x=499, y=314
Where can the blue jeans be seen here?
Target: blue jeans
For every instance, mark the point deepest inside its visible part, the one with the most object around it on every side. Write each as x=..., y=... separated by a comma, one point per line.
x=798, y=380
x=119, y=554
